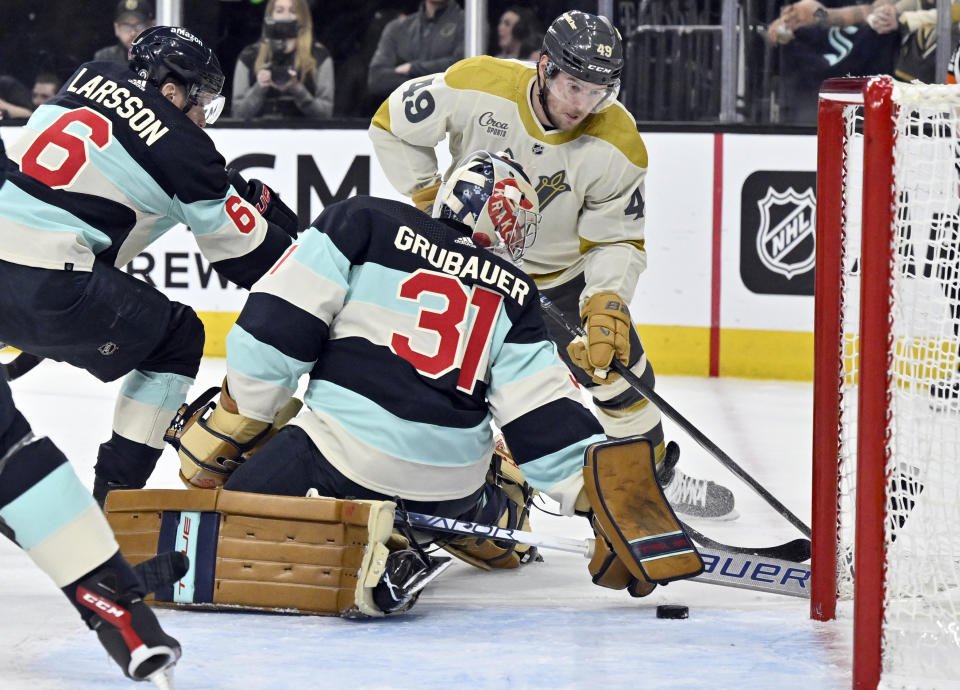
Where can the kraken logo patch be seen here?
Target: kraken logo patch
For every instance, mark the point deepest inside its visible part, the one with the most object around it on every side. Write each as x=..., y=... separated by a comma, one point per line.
x=549, y=186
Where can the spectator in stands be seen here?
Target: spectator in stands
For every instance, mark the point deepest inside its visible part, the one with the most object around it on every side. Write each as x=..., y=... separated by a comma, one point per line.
x=286, y=74
x=14, y=98
x=352, y=98
x=914, y=21
x=131, y=17
x=45, y=87
x=820, y=41
x=423, y=43
x=519, y=34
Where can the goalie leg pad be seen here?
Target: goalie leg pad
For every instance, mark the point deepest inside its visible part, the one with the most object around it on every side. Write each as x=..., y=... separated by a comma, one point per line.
x=261, y=552
x=628, y=503
x=508, y=498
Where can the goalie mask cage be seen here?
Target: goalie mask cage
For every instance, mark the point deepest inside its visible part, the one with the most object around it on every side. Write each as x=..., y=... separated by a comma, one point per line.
x=886, y=465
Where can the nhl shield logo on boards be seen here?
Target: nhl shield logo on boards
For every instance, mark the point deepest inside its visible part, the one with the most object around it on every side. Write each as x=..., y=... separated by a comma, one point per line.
x=786, y=239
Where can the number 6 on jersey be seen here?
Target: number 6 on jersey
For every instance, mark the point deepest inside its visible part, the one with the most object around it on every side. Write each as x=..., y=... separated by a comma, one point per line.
x=452, y=349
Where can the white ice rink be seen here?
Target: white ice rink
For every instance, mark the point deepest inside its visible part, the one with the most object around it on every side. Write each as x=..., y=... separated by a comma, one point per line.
x=544, y=626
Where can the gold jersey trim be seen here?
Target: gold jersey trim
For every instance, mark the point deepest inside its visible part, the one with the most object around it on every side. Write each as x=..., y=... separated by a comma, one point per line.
x=512, y=80
x=381, y=119
x=587, y=245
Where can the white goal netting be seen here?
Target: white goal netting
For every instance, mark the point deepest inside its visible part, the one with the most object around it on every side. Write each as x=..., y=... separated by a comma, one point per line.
x=921, y=628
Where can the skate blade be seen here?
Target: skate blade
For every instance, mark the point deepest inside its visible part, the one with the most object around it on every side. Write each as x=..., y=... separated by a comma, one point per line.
x=425, y=577
x=162, y=678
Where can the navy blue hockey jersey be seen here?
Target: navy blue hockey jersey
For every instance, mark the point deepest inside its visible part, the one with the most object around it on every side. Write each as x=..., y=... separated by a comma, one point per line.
x=415, y=340
x=109, y=165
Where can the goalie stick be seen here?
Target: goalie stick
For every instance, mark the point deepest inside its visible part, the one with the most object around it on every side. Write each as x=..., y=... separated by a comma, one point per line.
x=744, y=571
x=681, y=421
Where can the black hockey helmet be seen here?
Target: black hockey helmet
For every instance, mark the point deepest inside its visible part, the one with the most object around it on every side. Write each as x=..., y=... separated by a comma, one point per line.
x=160, y=53
x=585, y=46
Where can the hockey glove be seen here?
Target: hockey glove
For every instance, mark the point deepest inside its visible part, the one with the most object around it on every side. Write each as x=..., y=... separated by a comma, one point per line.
x=267, y=201
x=507, y=499
x=607, y=570
x=607, y=324
x=212, y=446
x=423, y=199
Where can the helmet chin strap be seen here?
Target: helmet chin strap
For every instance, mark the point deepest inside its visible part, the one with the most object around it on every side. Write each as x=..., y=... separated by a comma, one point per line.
x=542, y=97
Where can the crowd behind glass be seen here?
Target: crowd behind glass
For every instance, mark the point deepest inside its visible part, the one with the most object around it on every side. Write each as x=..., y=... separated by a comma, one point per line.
x=314, y=60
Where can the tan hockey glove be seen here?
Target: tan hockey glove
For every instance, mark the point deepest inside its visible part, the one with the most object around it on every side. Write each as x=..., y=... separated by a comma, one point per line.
x=607, y=323
x=516, y=495
x=423, y=198
x=212, y=447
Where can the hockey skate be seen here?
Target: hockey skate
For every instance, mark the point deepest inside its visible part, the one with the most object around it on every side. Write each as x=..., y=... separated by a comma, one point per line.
x=405, y=576
x=128, y=630
x=692, y=497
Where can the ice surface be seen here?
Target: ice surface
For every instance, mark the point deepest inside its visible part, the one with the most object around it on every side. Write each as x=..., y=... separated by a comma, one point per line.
x=544, y=626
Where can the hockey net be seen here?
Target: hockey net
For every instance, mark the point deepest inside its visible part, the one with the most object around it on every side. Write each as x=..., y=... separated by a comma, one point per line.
x=886, y=497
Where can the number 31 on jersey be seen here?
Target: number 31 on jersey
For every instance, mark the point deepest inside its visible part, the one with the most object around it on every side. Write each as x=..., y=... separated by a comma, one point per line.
x=459, y=344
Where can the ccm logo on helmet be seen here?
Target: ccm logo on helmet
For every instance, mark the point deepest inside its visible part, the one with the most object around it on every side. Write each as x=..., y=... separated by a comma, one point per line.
x=597, y=68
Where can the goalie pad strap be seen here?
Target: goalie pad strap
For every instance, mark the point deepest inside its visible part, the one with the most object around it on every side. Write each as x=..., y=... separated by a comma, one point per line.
x=628, y=503
x=257, y=551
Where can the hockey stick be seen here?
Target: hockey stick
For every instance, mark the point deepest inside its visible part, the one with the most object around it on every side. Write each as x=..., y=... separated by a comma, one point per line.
x=795, y=551
x=743, y=571
x=681, y=421
x=19, y=365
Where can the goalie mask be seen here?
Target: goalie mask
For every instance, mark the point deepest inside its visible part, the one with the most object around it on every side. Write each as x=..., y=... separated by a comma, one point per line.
x=589, y=49
x=490, y=194
x=161, y=53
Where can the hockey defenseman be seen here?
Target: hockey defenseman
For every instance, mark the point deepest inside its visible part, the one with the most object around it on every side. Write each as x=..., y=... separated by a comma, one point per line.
x=560, y=119
x=416, y=333
x=116, y=159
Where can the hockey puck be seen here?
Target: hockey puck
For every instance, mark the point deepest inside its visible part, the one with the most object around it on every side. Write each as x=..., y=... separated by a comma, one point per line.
x=672, y=611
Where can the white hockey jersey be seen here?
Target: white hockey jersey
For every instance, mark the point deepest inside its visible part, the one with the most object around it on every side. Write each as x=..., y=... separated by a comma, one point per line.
x=590, y=181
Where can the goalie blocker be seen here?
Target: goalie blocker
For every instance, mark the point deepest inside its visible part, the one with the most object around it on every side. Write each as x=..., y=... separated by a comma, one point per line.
x=640, y=542
x=270, y=553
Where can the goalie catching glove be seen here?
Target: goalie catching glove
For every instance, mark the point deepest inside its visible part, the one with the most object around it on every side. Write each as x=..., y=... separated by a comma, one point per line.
x=267, y=202
x=211, y=446
x=507, y=504
x=607, y=323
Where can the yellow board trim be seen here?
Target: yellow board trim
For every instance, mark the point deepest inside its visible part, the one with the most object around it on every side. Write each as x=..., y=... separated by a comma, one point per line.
x=752, y=354
x=216, y=325
x=685, y=351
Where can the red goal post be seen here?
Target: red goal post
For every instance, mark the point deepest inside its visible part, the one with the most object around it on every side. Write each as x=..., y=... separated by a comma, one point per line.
x=886, y=452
